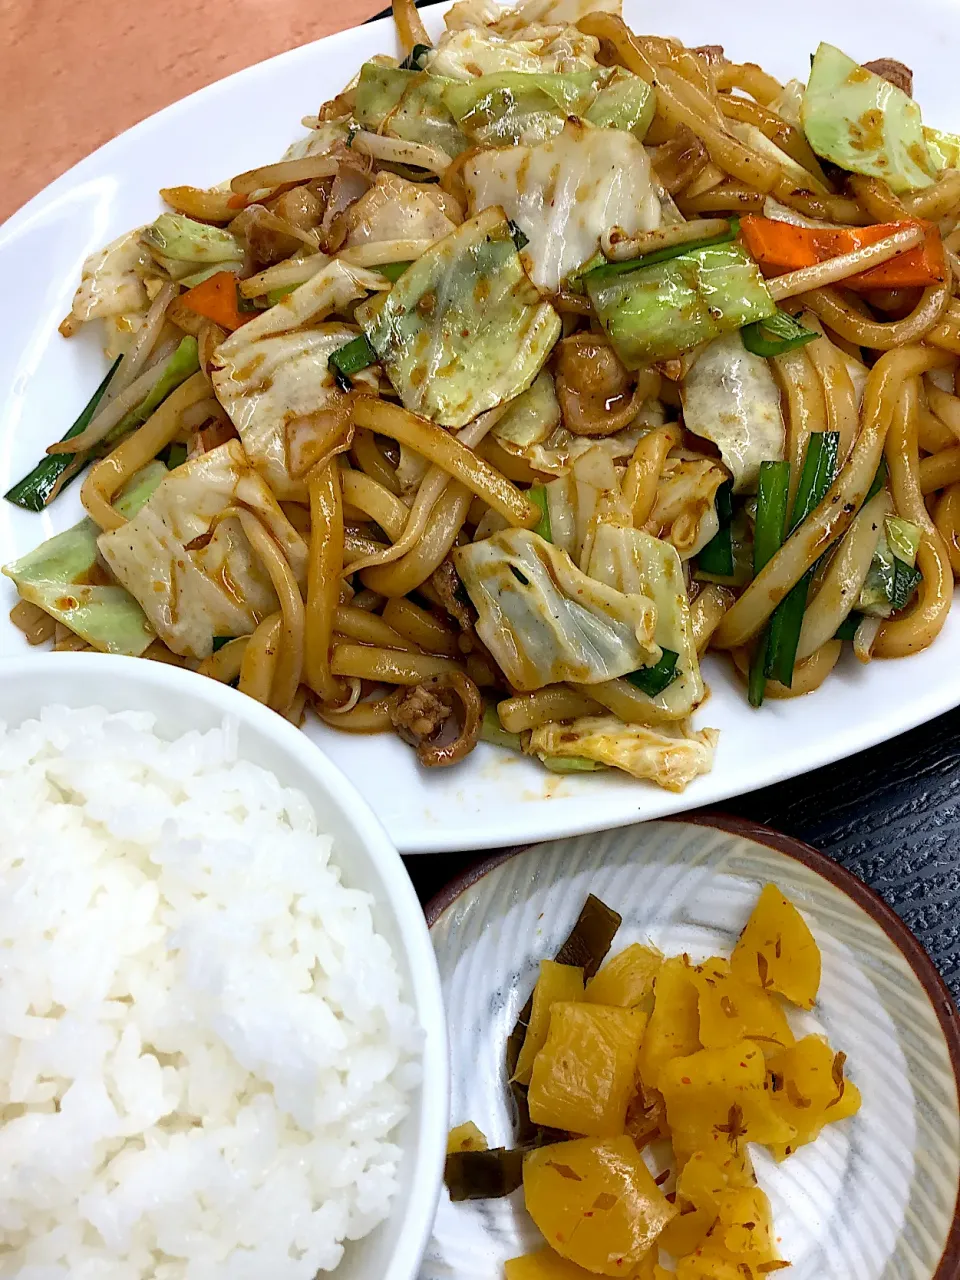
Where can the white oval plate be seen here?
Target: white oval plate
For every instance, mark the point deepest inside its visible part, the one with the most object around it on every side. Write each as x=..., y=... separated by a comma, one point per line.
x=248, y=119
x=876, y=1196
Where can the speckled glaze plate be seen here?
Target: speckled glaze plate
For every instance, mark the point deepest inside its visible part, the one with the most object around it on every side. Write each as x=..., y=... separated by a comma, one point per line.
x=876, y=1196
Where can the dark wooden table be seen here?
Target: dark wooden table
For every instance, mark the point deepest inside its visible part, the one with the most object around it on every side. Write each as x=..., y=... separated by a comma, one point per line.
x=890, y=815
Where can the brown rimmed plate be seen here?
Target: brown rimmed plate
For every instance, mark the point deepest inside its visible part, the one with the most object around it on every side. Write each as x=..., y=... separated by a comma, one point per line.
x=876, y=1197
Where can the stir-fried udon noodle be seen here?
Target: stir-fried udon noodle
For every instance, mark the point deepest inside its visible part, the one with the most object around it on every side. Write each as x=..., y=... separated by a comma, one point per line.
x=552, y=356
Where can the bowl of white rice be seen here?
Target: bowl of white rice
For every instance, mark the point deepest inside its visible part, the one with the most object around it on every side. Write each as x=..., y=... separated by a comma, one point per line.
x=222, y=1043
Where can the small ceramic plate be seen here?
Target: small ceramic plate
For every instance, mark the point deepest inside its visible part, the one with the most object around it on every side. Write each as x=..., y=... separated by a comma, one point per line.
x=875, y=1197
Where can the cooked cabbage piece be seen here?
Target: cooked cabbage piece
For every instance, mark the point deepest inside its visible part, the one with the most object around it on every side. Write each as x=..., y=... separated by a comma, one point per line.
x=657, y=312
x=532, y=417
x=564, y=194
x=183, y=244
x=192, y=572
x=864, y=123
x=409, y=105
x=266, y=384
x=523, y=107
x=395, y=209
x=634, y=562
x=545, y=621
x=685, y=512
x=111, y=282
x=516, y=106
x=467, y=52
x=730, y=397
x=668, y=754
x=63, y=577
x=463, y=329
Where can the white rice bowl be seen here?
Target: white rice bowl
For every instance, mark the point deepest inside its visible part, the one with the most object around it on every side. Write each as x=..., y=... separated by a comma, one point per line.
x=204, y=1045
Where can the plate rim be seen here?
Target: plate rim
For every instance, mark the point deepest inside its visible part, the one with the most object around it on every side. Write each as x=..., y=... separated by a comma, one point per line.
x=909, y=946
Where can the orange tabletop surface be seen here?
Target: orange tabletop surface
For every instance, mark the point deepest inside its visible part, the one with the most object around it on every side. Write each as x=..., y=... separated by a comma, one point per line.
x=76, y=74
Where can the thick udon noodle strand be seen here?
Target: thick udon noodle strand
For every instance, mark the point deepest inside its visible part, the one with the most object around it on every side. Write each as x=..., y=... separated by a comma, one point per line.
x=806, y=410
x=877, y=199
x=840, y=400
x=410, y=28
x=786, y=136
x=644, y=468
x=376, y=501
x=455, y=458
x=722, y=199
x=109, y=475
x=289, y=666
x=879, y=335
x=946, y=407
x=750, y=78
x=370, y=459
x=731, y=156
x=932, y=433
x=844, y=265
x=224, y=664
x=920, y=625
x=324, y=569
x=937, y=201
x=431, y=488
x=447, y=517
x=946, y=517
x=423, y=629
x=545, y=706
x=710, y=604
x=625, y=700
x=365, y=717
x=939, y=470
x=259, y=662
x=844, y=576
x=835, y=513
x=388, y=666
x=370, y=628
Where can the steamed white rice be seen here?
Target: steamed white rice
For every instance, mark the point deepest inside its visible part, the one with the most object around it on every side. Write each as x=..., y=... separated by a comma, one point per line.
x=204, y=1049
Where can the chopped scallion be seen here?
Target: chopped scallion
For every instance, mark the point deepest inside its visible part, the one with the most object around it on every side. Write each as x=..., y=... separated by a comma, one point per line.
x=520, y=238
x=848, y=627
x=415, y=58
x=538, y=494
x=571, y=764
x=879, y=480
x=654, y=679
x=393, y=270
x=176, y=455
x=906, y=579
x=609, y=269
x=492, y=731
x=771, y=522
x=819, y=467
x=776, y=334
x=349, y=359
x=717, y=556
x=35, y=490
